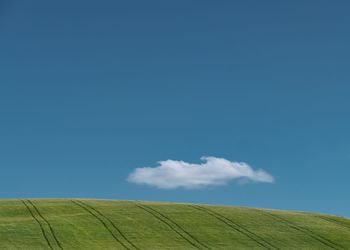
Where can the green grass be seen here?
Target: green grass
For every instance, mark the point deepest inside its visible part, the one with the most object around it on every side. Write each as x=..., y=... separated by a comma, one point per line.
x=97, y=224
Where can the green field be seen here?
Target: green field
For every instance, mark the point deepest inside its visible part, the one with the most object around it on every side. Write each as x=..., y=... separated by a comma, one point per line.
x=99, y=224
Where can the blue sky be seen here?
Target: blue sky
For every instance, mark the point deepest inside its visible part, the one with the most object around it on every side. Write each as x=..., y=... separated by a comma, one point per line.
x=91, y=91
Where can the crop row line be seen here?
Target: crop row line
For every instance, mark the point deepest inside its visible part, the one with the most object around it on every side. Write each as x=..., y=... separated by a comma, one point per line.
x=43, y=223
x=174, y=226
x=237, y=227
x=334, y=221
x=306, y=231
x=108, y=224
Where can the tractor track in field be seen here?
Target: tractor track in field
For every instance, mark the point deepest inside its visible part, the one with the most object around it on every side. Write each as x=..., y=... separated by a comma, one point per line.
x=40, y=225
x=48, y=224
x=334, y=221
x=174, y=226
x=237, y=227
x=306, y=231
x=97, y=215
x=112, y=223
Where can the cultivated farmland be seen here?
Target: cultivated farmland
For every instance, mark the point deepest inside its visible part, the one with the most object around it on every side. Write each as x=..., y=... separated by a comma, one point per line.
x=133, y=225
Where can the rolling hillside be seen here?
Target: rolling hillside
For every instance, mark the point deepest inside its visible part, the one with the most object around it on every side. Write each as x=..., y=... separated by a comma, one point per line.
x=97, y=224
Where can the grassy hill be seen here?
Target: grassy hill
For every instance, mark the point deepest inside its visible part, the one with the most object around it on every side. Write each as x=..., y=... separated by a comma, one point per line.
x=97, y=224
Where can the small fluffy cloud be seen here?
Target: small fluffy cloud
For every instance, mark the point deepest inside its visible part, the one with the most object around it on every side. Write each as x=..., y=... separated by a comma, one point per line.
x=213, y=171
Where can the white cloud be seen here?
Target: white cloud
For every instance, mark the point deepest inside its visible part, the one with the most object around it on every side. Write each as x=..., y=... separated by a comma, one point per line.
x=213, y=171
